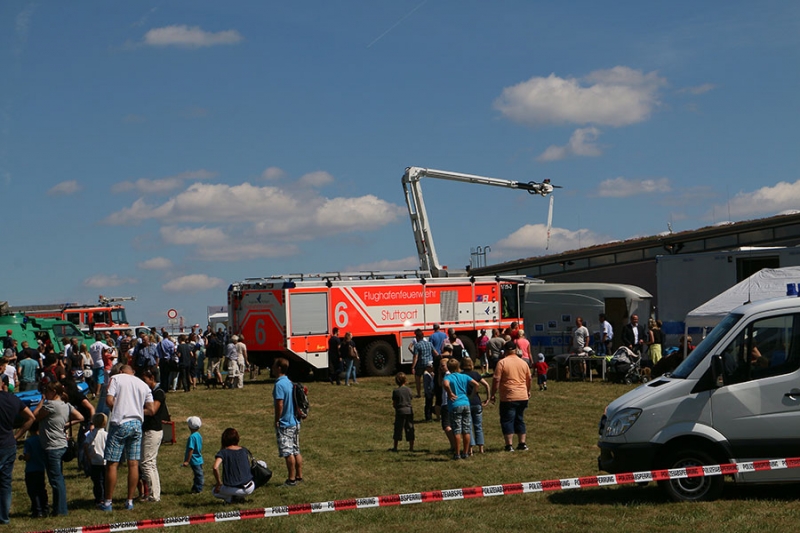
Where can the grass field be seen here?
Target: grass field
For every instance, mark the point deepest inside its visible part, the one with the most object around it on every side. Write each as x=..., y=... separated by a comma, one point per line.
x=344, y=444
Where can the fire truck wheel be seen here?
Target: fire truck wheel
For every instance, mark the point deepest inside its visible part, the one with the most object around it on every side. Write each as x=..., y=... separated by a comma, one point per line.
x=469, y=345
x=380, y=359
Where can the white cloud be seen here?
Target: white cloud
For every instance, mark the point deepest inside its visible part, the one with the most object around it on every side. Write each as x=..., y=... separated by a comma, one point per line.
x=100, y=281
x=156, y=263
x=625, y=187
x=242, y=250
x=163, y=185
x=193, y=283
x=531, y=240
x=699, y=89
x=186, y=37
x=780, y=197
x=224, y=222
x=189, y=236
x=616, y=97
x=581, y=143
x=316, y=179
x=272, y=173
x=65, y=188
x=272, y=210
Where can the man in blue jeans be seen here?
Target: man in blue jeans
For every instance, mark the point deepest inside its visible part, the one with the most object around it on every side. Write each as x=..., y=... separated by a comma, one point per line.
x=10, y=407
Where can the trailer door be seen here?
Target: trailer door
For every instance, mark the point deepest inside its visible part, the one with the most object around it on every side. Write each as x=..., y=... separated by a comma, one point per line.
x=309, y=313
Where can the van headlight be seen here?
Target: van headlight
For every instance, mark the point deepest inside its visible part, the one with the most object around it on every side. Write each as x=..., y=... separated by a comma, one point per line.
x=621, y=422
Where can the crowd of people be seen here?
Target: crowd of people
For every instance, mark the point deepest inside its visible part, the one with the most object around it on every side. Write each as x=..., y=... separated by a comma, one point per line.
x=119, y=417
x=445, y=371
x=105, y=403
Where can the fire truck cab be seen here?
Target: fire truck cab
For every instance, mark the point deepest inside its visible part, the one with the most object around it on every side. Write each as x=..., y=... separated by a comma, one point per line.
x=293, y=316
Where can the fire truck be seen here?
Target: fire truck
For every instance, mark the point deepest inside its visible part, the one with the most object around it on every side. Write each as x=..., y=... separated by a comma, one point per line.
x=106, y=315
x=293, y=315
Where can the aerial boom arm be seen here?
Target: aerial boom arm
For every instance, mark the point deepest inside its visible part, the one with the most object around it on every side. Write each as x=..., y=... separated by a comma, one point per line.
x=423, y=238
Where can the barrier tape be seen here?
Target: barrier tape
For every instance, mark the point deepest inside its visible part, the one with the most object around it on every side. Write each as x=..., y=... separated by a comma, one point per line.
x=442, y=495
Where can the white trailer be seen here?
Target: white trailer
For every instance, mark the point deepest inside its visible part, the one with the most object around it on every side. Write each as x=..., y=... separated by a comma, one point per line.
x=686, y=281
x=550, y=310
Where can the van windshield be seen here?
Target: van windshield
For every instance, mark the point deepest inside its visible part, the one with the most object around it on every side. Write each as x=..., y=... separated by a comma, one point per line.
x=701, y=351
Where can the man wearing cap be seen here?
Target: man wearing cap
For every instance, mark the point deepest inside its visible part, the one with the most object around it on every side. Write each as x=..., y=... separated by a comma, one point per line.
x=512, y=378
x=129, y=399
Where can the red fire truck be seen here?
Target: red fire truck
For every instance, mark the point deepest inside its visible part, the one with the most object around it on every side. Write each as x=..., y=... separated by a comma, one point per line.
x=106, y=315
x=293, y=316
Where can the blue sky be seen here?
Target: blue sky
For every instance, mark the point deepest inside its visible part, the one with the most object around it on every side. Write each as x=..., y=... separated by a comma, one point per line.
x=167, y=149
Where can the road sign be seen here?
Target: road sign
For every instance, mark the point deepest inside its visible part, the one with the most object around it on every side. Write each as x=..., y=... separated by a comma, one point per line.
x=172, y=313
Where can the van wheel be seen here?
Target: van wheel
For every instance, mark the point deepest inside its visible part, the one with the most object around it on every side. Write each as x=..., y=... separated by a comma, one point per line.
x=380, y=359
x=694, y=489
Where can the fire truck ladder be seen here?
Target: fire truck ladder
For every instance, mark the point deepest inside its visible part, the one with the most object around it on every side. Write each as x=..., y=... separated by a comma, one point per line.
x=428, y=260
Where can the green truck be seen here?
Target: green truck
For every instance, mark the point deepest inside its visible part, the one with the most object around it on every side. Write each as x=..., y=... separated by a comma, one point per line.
x=48, y=330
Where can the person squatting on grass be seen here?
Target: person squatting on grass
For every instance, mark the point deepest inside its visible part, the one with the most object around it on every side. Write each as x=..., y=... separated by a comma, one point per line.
x=456, y=385
x=194, y=453
x=237, y=479
x=403, y=413
x=287, y=426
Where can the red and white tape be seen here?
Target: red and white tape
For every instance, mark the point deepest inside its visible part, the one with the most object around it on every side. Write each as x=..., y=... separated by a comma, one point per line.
x=441, y=495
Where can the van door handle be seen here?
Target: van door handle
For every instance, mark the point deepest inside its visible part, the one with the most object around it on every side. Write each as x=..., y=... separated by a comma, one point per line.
x=792, y=395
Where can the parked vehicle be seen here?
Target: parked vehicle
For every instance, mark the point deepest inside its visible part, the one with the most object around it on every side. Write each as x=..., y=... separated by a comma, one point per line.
x=735, y=398
x=293, y=316
x=25, y=328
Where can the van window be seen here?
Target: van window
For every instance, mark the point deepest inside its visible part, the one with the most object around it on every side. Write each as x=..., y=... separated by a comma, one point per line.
x=766, y=347
x=701, y=351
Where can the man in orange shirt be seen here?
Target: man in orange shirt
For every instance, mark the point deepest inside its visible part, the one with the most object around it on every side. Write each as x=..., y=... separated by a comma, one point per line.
x=512, y=377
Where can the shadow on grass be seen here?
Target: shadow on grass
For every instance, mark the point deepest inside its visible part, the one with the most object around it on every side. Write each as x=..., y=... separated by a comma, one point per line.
x=650, y=494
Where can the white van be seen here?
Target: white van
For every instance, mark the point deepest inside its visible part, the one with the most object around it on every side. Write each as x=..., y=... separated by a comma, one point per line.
x=735, y=398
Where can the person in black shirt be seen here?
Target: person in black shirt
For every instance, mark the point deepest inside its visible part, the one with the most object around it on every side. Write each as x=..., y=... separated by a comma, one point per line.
x=334, y=357
x=152, y=433
x=237, y=479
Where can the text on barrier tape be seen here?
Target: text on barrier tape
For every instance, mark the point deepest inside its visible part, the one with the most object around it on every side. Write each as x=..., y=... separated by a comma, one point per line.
x=442, y=495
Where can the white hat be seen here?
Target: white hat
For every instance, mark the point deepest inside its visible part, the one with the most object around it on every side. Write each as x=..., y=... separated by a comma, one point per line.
x=540, y=358
x=194, y=422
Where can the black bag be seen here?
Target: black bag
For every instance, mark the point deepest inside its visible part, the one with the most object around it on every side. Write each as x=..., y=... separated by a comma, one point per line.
x=300, y=401
x=72, y=450
x=261, y=472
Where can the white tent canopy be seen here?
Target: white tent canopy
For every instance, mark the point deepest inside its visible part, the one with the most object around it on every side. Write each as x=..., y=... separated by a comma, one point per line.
x=764, y=284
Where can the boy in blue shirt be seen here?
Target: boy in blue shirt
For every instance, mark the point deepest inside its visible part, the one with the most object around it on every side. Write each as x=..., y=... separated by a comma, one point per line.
x=456, y=385
x=194, y=453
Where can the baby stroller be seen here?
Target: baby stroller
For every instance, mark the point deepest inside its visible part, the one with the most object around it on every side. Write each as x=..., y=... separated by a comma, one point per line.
x=625, y=367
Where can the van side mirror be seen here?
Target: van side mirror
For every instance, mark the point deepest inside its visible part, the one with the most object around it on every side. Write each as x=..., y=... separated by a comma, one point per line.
x=717, y=370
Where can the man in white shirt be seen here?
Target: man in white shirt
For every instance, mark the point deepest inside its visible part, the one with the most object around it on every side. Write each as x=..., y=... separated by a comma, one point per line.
x=129, y=399
x=606, y=336
x=96, y=353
